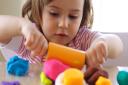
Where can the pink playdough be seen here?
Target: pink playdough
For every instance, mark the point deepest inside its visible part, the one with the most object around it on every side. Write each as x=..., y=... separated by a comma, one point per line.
x=52, y=68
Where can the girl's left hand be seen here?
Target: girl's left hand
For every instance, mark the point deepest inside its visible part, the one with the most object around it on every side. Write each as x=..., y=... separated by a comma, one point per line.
x=97, y=54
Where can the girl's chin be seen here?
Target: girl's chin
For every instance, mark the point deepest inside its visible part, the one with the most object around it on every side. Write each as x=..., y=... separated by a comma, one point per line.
x=60, y=40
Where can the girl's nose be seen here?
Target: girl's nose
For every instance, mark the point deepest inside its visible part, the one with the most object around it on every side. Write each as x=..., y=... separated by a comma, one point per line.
x=63, y=22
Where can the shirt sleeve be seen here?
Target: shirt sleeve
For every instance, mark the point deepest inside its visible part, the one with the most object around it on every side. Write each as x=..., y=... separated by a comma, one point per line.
x=14, y=44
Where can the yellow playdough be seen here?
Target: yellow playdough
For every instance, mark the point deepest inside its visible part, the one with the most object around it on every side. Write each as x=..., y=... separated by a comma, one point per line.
x=73, y=77
x=103, y=81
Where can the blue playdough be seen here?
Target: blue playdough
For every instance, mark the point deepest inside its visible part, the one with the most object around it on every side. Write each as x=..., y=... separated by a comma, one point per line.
x=17, y=66
x=10, y=83
x=122, y=78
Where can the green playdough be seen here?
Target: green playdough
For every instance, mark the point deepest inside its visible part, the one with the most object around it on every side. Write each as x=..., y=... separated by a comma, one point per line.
x=44, y=79
x=122, y=78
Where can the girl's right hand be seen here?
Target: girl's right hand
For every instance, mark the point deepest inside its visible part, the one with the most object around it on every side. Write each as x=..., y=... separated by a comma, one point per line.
x=35, y=40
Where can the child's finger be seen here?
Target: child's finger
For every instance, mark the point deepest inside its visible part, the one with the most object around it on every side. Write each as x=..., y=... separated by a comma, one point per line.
x=36, y=43
x=44, y=49
x=96, y=57
x=92, y=61
x=90, y=57
x=38, y=47
x=103, y=47
x=101, y=52
x=29, y=41
x=100, y=55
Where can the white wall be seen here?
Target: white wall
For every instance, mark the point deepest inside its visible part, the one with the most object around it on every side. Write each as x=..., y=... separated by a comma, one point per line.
x=10, y=7
x=110, y=15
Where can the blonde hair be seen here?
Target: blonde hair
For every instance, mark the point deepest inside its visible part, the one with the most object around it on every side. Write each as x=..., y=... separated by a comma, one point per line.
x=33, y=10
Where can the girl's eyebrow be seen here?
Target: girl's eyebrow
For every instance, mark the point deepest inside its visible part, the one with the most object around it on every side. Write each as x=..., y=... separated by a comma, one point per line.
x=54, y=7
x=73, y=10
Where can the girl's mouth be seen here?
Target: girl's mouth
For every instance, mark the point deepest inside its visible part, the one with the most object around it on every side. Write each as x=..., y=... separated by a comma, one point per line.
x=61, y=34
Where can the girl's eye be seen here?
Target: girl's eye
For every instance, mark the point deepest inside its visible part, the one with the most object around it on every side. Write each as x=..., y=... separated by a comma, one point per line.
x=54, y=14
x=73, y=17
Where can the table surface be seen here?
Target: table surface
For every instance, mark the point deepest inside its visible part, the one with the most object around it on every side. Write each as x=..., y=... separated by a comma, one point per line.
x=34, y=72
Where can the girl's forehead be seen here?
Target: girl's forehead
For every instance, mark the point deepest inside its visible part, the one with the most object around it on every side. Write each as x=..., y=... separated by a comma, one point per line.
x=67, y=4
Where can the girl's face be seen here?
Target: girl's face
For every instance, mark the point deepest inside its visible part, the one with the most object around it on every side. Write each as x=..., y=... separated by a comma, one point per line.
x=61, y=20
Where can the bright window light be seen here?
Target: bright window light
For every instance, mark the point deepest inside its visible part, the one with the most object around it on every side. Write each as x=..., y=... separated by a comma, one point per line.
x=110, y=15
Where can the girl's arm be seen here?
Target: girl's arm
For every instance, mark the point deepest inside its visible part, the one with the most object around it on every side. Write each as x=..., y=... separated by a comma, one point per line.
x=11, y=26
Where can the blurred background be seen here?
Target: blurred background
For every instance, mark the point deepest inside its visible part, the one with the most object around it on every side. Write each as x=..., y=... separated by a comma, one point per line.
x=109, y=15
x=11, y=7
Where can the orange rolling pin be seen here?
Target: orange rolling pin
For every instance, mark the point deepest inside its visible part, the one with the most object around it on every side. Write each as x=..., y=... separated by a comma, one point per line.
x=72, y=57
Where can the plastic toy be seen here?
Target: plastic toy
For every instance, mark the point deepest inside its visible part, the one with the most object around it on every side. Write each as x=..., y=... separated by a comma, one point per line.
x=71, y=57
x=122, y=78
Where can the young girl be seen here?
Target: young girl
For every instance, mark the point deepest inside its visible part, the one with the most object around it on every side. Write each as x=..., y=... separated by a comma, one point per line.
x=65, y=22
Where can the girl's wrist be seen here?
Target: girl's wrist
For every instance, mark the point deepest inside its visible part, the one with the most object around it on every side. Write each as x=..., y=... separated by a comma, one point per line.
x=23, y=25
